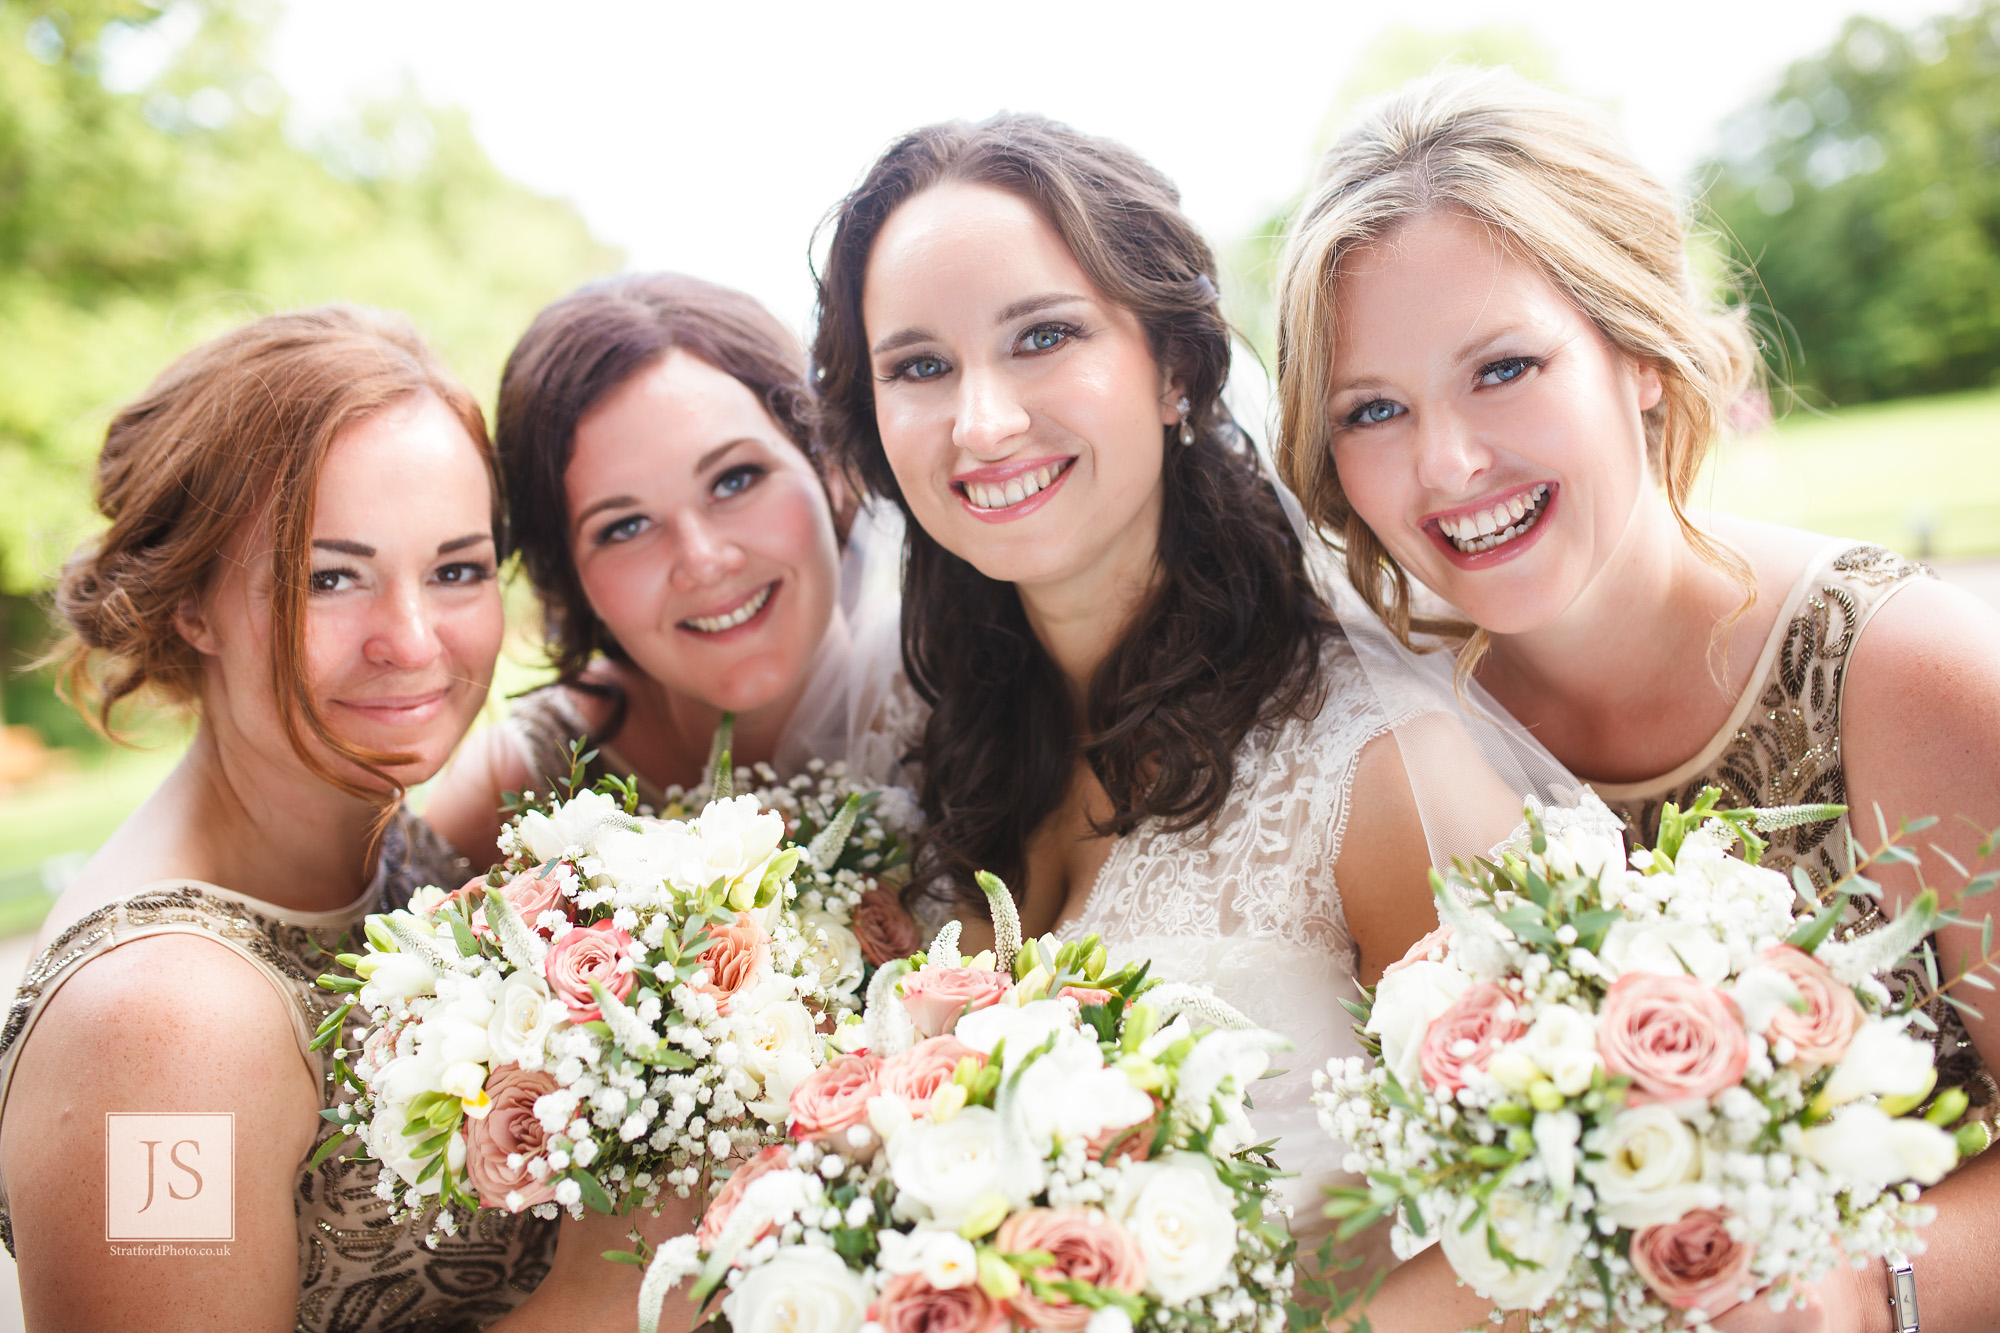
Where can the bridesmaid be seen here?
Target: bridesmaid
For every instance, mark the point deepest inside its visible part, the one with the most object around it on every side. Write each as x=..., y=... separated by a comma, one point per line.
x=656, y=436
x=1144, y=719
x=300, y=553
x=1499, y=377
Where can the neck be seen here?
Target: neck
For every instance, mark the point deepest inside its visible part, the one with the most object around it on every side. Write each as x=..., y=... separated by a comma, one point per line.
x=1638, y=644
x=1079, y=622
x=265, y=826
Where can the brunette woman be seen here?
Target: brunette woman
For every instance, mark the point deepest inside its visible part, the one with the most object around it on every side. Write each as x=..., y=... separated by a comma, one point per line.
x=656, y=436
x=301, y=554
x=1500, y=378
x=1143, y=718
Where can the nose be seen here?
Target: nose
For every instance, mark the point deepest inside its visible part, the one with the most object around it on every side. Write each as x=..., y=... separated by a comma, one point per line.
x=404, y=632
x=704, y=554
x=1450, y=454
x=990, y=415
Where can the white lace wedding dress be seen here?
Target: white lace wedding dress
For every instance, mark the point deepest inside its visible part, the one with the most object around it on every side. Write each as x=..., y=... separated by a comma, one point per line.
x=1247, y=905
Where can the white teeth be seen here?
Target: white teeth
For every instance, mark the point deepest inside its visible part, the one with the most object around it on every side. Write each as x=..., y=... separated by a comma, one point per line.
x=1493, y=527
x=717, y=624
x=986, y=496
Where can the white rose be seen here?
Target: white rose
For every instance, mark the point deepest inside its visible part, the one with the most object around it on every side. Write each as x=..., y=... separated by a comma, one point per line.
x=958, y=1167
x=1183, y=1220
x=1868, y=1150
x=799, y=1290
x=522, y=1020
x=1647, y=1171
x=1068, y=1094
x=777, y=1041
x=835, y=951
x=575, y=824
x=1563, y=1045
x=1665, y=947
x=1881, y=1061
x=395, y=976
x=1531, y=1231
x=945, y=1258
x=1023, y=1028
x=1407, y=1002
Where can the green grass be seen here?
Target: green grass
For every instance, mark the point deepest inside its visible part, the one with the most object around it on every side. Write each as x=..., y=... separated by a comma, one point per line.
x=1881, y=472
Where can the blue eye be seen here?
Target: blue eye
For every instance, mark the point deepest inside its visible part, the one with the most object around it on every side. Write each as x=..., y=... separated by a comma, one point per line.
x=737, y=480
x=1045, y=339
x=923, y=368
x=625, y=529
x=1375, y=413
x=1507, y=371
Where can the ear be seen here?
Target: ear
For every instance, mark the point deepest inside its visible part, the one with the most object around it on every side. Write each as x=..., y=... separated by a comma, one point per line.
x=1646, y=379
x=1170, y=400
x=191, y=623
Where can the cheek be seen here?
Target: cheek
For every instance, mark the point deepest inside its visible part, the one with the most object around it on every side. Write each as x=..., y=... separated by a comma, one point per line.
x=624, y=584
x=1374, y=483
x=473, y=633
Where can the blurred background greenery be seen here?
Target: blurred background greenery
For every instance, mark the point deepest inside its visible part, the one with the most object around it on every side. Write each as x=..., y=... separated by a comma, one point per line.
x=143, y=207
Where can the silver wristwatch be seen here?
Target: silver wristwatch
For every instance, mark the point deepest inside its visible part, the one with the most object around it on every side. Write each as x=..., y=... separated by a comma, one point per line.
x=1902, y=1294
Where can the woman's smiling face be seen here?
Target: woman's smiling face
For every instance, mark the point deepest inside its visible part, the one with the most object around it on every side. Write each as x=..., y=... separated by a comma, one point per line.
x=702, y=536
x=1021, y=411
x=1483, y=427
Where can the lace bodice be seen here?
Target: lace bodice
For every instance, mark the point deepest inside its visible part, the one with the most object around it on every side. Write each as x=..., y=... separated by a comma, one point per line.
x=359, y=1271
x=1248, y=906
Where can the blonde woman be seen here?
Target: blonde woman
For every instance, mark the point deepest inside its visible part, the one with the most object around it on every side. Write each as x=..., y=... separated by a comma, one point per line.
x=1499, y=378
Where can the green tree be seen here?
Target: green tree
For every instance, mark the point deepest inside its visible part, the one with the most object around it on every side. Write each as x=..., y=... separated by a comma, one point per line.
x=141, y=214
x=1865, y=196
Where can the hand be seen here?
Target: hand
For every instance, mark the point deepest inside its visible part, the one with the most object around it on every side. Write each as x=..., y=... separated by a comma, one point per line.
x=1840, y=1302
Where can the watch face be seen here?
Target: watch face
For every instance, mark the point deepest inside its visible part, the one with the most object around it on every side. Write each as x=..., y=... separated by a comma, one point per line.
x=1903, y=1297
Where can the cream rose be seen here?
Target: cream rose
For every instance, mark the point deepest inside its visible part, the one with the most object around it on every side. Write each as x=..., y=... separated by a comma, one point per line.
x=1407, y=1002
x=960, y=1167
x=1527, y=1229
x=1182, y=1219
x=1647, y=1167
x=1665, y=947
x=523, y=1017
x=835, y=951
x=777, y=1041
x=800, y=1290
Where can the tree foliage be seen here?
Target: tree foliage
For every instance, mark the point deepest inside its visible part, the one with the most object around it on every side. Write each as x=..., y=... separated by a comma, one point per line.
x=1865, y=195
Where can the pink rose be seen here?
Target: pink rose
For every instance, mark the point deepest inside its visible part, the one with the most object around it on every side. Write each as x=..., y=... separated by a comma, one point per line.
x=883, y=928
x=1088, y=1247
x=510, y=1127
x=1484, y=1019
x=1675, y=1038
x=1084, y=995
x=835, y=1096
x=736, y=957
x=908, y=1304
x=530, y=894
x=1438, y=939
x=1832, y=1015
x=584, y=955
x=1129, y=1142
x=917, y=1074
x=1694, y=1262
x=938, y=996
x=774, y=1158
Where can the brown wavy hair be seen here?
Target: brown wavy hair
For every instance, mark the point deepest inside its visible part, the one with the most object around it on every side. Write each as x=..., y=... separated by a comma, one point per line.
x=234, y=434
x=577, y=352
x=1549, y=178
x=1231, y=635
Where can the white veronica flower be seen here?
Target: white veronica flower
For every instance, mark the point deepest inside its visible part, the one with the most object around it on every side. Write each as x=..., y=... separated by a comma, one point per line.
x=522, y=1019
x=961, y=1166
x=1528, y=1229
x=1647, y=1168
x=800, y=1290
x=1882, y=1061
x=1182, y=1218
x=1407, y=1001
x=1666, y=947
x=1867, y=1150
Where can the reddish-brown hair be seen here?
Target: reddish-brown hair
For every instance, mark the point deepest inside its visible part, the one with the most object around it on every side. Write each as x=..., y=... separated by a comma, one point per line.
x=234, y=433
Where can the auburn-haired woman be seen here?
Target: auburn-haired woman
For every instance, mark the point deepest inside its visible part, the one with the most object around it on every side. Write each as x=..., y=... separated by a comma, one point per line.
x=1500, y=378
x=300, y=553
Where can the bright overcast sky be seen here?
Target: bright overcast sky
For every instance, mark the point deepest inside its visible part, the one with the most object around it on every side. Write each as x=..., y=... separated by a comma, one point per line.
x=711, y=137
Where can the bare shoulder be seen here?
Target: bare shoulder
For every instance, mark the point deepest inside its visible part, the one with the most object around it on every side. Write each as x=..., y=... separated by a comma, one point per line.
x=1384, y=864
x=464, y=804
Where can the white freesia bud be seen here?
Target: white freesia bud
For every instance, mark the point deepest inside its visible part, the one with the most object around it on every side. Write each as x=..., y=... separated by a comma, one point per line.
x=1881, y=1061
x=1526, y=1230
x=1647, y=1168
x=396, y=976
x=1407, y=1002
x=1556, y=1134
x=1866, y=1149
x=945, y=1258
x=1665, y=947
x=464, y=1080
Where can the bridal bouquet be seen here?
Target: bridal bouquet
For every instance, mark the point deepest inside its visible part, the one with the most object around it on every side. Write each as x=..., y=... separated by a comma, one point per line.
x=625, y=1003
x=1018, y=1139
x=1617, y=1094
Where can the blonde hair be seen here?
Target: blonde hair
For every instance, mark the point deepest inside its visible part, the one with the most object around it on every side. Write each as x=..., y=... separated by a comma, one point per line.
x=1551, y=180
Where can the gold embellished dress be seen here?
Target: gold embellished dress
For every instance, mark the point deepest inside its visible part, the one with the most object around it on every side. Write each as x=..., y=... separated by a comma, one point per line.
x=1781, y=746
x=359, y=1271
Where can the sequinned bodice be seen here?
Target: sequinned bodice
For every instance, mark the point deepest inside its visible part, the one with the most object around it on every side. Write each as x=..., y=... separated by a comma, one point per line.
x=359, y=1271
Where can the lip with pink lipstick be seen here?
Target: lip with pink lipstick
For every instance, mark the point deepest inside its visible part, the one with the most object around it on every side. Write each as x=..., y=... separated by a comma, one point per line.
x=736, y=618
x=406, y=710
x=1012, y=490
x=1497, y=528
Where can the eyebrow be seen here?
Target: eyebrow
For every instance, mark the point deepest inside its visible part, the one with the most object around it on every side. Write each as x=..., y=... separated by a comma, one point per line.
x=1471, y=347
x=1028, y=305
x=363, y=551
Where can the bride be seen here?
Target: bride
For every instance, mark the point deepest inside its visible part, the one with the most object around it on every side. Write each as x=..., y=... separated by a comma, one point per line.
x=1143, y=717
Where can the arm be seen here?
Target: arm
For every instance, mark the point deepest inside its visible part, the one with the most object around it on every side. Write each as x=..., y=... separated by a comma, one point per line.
x=464, y=805
x=164, y=1024
x=1385, y=862
x=584, y=1291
